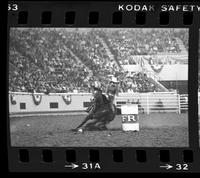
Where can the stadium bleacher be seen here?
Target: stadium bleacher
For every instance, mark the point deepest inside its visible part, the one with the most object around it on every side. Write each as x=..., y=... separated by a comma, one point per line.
x=59, y=60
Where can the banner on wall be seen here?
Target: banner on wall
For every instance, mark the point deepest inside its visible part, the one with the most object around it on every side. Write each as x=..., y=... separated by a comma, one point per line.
x=157, y=68
x=67, y=99
x=156, y=64
x=37, y=98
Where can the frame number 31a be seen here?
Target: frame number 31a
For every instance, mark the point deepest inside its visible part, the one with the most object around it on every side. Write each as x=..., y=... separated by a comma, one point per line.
x=91, y=166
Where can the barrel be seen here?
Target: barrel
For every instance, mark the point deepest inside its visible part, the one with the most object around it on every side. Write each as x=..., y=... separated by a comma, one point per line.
x=130, y=117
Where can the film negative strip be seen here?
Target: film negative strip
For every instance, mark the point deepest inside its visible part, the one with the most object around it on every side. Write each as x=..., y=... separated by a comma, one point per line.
x=103, y=86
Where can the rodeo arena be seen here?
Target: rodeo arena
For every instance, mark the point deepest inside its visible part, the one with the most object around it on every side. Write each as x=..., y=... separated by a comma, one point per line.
x=98, y=87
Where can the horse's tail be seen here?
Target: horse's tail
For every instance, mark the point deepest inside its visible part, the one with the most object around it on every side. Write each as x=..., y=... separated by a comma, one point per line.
x=114, y=112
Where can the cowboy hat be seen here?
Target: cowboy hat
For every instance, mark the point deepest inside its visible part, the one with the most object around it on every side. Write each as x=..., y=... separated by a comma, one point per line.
x=114, y=80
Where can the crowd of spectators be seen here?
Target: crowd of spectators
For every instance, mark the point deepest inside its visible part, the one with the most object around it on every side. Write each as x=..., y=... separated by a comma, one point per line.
x=128, y=42
x=60, y=60
x=138, y=82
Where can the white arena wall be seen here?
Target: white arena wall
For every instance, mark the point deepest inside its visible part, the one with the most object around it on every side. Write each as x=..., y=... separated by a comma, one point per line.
x=171, y=72
x=172, y=102
x=44, y=106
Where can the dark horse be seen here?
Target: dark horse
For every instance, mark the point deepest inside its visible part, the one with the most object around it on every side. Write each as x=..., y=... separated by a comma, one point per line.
x=100, y=113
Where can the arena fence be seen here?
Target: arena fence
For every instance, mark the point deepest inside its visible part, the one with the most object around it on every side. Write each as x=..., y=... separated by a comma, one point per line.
x=153, y=102
x=183, y=102
x=163, y=102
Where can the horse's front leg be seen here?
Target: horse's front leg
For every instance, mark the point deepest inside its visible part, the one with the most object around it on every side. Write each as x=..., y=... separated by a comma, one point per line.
x=88, y=117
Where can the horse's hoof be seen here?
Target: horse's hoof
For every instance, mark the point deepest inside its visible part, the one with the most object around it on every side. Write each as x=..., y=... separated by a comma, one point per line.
x=80, y=130
x=103, y=128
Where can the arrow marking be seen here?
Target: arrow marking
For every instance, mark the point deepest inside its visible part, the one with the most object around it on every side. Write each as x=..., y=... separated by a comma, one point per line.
x=73, y=166
x=167, y=166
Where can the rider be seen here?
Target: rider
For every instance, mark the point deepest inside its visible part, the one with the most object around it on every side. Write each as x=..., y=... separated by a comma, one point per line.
x=112, y=91
x=99, y=110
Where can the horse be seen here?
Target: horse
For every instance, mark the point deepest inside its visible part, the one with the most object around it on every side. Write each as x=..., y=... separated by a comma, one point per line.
x=100, y=113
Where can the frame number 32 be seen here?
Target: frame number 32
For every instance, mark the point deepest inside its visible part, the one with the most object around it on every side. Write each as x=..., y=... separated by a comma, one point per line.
x=180, y=167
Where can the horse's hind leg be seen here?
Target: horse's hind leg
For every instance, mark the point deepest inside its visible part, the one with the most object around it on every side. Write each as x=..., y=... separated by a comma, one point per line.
x=91, y=124
x=101, y=125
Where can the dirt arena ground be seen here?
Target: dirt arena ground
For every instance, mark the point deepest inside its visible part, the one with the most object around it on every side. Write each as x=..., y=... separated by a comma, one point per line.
x=156, y=130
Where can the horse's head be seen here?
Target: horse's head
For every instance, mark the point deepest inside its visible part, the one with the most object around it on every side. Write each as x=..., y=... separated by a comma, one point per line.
x=92, y=99
x=97, y=97
x=96, y=94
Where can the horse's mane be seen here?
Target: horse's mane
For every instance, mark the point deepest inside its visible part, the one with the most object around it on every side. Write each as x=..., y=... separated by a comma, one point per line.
x=105, y=100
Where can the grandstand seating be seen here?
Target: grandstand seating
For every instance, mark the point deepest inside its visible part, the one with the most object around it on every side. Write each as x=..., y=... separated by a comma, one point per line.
x=60, y=60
